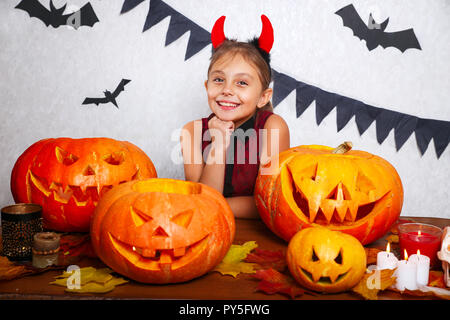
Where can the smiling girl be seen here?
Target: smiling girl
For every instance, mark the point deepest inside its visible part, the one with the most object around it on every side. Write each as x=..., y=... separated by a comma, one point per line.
x=242, y=132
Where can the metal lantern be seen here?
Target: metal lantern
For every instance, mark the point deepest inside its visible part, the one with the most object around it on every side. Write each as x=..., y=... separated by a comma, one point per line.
x=20, y=222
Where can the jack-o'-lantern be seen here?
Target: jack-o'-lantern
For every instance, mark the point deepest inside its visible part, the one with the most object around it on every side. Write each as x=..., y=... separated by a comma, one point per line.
x=162, y=230
x=67, y=177
x=345, y=190
x=326, y=261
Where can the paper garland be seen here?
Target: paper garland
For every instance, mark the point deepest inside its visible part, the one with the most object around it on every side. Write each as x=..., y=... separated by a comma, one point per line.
x=346, y=108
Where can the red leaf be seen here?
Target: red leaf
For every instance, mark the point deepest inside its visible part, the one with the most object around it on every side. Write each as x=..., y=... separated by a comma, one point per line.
x=436, y=279
x=273, y=281
x=267, y=259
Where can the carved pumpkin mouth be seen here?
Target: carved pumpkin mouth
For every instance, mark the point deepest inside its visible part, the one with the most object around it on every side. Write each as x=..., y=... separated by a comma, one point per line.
x=323, y=280
x=81, y=196
x=339, y=207
x=159, y=259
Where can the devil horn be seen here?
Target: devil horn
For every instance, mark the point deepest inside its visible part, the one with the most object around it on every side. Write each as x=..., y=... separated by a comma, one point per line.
x=217, y=34
x=265, y=40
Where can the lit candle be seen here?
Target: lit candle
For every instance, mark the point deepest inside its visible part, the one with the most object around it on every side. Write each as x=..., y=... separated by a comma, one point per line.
x=386, y=259
x=423, y=237
x=423, y=267
x=406, y=274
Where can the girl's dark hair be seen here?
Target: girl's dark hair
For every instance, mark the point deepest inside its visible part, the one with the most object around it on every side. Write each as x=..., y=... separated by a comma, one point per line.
x=252, y=54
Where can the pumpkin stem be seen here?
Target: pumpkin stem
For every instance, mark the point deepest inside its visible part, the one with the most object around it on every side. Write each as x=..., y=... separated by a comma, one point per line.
x=343, y=148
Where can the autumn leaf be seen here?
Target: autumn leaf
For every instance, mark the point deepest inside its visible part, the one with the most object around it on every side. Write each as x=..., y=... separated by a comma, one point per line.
x=436, y=279
x=371, y=254
x=91, y=280
x=371, y=283
x=273, y=282
x=267, y=259
x=233, y=264
x=9, y=270
x=392, y=238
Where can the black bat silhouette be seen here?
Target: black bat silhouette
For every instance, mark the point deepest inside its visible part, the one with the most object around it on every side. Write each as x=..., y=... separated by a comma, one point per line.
x=109, y=97
x=55, y=17
x=374, y=33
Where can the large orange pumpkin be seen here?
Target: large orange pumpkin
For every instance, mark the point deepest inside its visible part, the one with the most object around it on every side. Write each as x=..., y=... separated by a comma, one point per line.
x=67, y=177
x=354, y=192
x=162, y=230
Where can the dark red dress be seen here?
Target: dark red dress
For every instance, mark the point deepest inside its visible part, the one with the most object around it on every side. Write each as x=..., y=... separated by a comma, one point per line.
x=242, y=164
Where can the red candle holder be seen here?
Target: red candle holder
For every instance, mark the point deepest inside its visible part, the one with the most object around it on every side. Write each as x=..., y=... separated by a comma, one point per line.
x=420, y=236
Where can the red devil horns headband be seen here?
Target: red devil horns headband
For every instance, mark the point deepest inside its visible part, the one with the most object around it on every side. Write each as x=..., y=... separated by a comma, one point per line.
x=265, y=40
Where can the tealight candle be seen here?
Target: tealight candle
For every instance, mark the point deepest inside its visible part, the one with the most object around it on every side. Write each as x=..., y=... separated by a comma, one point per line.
x=423, y=267
x=406, y=275
x=386, y=259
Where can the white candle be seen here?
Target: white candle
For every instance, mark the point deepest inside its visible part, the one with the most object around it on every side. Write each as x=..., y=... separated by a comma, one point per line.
x=406, y=275
x=386, y=259
x=423, y=267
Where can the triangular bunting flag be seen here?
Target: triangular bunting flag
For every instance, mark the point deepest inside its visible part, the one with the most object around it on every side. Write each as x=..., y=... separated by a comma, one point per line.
x=404, y=129
x=129, y=5
x=424, y=133
x=157, y=11
x=364, y=116
x=306, y=94
x=386, y=121
x=345, y=110
x=177, y=27
x=283, y=85
x=441, y=135
x=325, y=102
x=198, y=39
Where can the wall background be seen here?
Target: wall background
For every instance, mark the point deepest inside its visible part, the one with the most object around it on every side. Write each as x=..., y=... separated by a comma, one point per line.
x=46, y=73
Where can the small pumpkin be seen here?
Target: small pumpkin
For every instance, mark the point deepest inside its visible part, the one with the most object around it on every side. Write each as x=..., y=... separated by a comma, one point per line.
x=162, y=230
x=346, y=190
x=67, y=177
x=326, y=261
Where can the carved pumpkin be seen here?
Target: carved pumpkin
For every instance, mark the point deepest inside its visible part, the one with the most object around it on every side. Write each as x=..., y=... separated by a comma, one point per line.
x=354, y=192
x=162, y=230
x=68, y=176
x=325, y=260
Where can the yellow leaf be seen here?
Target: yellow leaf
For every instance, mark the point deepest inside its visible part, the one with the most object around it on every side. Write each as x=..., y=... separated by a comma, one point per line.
x=95, y=287
x=91, y=280
x=232, y=263
x=372, y=283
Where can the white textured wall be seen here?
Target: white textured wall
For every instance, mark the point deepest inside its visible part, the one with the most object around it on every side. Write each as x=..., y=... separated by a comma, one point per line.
x=45, y=74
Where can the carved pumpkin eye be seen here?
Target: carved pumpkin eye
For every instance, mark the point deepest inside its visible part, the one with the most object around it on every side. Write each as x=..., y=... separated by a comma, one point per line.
x=338, y=259
x=183, y=219
x=115, y=158
x=314, y=256
x=139, y=218
x=65, y=157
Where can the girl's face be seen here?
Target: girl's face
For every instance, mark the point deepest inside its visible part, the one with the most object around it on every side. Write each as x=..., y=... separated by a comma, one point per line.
x=234, y=89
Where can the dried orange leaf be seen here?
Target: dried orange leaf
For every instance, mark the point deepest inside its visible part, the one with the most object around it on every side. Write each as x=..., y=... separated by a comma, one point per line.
x=436, y=279
x=373, y=282
x=273, y=281
x=393, y=238
x=9, y=270
x=267, y=259
x=371, y=254
x=233, y=264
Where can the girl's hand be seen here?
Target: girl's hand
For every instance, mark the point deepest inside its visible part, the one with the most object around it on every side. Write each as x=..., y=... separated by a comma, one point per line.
x=220, y=131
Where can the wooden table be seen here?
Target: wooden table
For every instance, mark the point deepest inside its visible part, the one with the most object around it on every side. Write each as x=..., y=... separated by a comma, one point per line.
x=212, y=286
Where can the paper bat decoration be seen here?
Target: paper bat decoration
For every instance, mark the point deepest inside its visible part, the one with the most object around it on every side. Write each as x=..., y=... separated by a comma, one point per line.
x=109, y=97
x=56, y=17
x=374, y=33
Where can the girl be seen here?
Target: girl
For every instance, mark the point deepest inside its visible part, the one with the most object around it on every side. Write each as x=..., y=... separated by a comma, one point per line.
x=226, y=150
